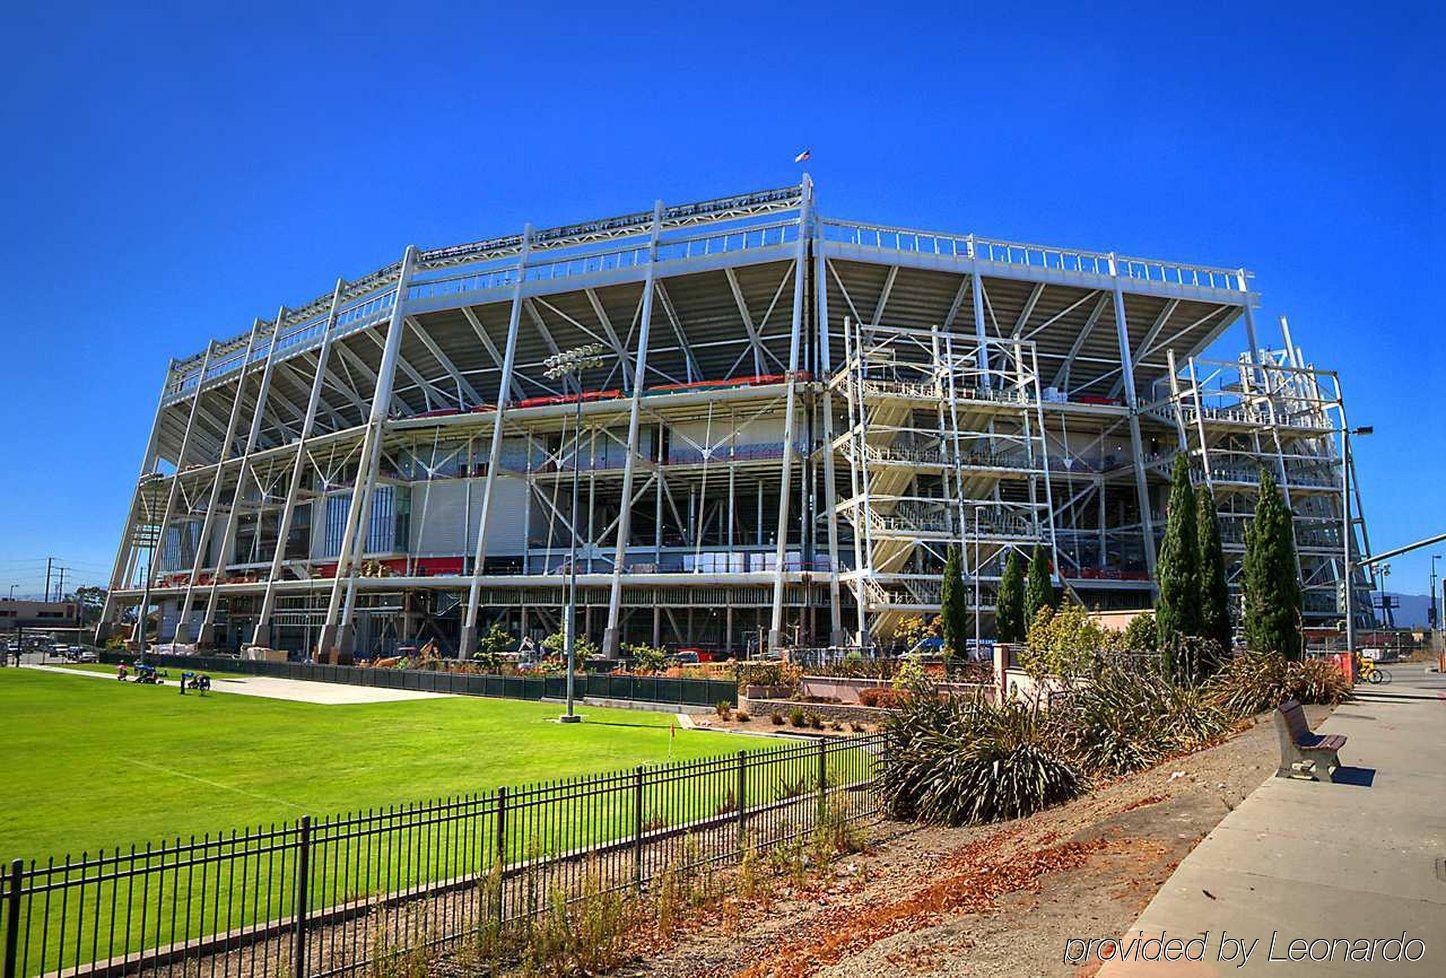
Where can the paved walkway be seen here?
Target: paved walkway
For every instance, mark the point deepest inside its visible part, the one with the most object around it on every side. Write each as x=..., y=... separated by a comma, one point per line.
x=1363, y=858
x=298, y=690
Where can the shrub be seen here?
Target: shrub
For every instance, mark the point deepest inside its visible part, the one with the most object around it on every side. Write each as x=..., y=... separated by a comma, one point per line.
x=769, y=674
x=777, y=718
x=1066, y=643
x=556, y=644
x=959, y=761
x=911, y=672
x=742, y=716
x=1126, y=721
x=796, y=716
x=1252, y=682
x=815, y=721
x=881, y=698
x=646, y=658
x=724, y=709
x=1140, y=634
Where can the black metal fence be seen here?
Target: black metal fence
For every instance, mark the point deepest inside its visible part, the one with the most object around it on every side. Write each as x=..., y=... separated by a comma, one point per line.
x=642, y=689
x=340, y=895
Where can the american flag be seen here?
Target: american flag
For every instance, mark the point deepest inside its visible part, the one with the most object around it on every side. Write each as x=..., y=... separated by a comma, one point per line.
x=801, y=157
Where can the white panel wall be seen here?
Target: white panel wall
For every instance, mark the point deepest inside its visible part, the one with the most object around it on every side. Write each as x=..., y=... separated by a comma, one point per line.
x=442, y=507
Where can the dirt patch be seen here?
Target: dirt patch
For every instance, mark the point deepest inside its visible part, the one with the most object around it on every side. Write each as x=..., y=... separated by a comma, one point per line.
x=991, y=900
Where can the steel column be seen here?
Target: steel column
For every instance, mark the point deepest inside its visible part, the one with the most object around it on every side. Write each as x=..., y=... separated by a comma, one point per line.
x=505, y=394
x=800, y=283
x=336, y=633
x=262, y=633
x=625, y=512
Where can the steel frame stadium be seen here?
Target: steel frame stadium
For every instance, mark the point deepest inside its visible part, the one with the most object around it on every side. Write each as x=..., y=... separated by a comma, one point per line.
x=803, y=414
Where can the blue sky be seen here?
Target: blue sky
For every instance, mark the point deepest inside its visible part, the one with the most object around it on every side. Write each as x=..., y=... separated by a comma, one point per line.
x=171, y=174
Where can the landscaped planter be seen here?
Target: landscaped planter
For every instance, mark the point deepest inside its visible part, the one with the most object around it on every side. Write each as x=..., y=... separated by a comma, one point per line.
x=754, y=691
x=846, y=689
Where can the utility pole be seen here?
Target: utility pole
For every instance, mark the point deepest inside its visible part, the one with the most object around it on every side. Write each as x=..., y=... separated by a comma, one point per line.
x=51, y=560
x=60, y=587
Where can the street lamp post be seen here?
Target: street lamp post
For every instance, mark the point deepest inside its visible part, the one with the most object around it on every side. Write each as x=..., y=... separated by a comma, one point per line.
x=977, y=570
x=1348, y=534
x=12, y=591
x=1435, y=608
x=571, y=363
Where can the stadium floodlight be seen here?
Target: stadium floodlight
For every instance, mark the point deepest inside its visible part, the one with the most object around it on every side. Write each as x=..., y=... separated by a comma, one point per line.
x=561, y=365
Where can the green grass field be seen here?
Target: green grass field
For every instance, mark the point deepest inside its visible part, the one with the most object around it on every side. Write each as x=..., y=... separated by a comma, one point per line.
x=88, y=763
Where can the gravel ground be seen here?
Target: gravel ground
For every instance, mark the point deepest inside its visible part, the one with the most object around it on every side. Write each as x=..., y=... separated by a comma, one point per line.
x=985, y=901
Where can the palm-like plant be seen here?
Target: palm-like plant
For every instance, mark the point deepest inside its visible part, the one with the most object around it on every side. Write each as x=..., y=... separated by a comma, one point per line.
x=957, y=761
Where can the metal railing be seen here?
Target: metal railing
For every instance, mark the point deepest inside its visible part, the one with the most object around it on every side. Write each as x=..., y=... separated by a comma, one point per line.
x=350, y=893
x=1043, y=257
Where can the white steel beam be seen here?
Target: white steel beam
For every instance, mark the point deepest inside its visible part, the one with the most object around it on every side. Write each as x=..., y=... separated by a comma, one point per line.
x=506, y=391
x=800, y=282
x=611, y=633
x=262, y=634
x=1142, y=488
x=206, y=634
x=208, y=521
x=336, y=633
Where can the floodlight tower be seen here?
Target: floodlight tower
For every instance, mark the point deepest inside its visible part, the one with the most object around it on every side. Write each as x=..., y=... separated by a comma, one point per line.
x=571, y=363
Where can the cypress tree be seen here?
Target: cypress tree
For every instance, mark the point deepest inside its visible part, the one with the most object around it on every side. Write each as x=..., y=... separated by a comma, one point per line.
x=1009, y=614
x=1272, y=589
x=954, y=608
x=1177, y=612
x=1214, y=595
x=1038, y=590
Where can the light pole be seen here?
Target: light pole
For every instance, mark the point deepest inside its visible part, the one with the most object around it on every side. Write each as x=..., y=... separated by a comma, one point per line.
x=571, y=363
x=1348, y=534
x=12, y=591
x=977, y=569
x=1435, y=608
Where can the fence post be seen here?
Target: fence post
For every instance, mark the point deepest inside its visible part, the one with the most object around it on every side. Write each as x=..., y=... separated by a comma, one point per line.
x=822, y=781
x=501, y=851
x=638, y=829
x=12, y=918
x=303, y=887
x=742, y=800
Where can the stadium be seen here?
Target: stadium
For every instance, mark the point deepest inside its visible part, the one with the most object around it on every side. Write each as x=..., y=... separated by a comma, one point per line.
x=778, y=425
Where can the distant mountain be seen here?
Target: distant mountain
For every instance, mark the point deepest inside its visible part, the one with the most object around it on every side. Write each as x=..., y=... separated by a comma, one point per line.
x=1410, y=612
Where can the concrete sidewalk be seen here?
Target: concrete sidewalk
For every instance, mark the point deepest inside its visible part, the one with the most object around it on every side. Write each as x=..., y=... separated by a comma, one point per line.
x=1361, y=859
x=272, y=688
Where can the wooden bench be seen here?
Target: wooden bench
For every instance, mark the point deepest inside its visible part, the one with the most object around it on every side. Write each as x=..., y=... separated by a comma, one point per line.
x=1301, y=751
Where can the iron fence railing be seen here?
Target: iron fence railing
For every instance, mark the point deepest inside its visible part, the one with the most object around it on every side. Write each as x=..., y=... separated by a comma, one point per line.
x=641, y=689
x=344, y=894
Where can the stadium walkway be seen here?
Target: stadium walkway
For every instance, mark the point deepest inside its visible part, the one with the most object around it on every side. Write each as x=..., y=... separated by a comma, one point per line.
x=1361, y=858
x=297, y=690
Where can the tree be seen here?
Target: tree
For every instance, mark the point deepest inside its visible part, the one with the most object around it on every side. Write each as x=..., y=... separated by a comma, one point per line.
x=1038, y=589
x=1272, y=587
x=1214, y=594
x=1177, y=612
x=1009, y=607
x=954, y=608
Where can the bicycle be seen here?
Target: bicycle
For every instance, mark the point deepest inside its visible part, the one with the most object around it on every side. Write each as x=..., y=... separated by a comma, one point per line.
x=1371, y=673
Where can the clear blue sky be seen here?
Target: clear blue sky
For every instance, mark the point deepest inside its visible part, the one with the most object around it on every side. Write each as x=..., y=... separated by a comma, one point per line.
x=168, y=176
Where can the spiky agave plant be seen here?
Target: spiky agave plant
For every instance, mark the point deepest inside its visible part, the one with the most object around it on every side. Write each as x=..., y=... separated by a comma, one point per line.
x=1126, y=720
x=1112, y=724
x=958, y=761
x=1251, y=682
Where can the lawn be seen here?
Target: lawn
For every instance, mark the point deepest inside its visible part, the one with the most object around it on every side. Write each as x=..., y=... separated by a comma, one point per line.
x=88, y=763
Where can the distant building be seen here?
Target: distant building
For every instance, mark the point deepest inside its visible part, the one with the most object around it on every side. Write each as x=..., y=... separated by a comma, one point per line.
x=38, y=614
